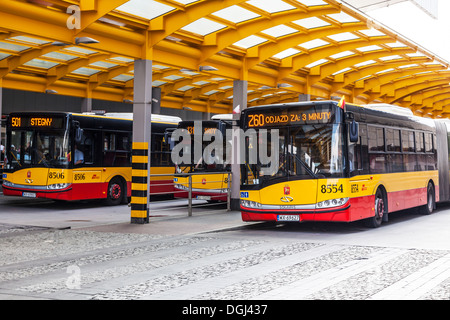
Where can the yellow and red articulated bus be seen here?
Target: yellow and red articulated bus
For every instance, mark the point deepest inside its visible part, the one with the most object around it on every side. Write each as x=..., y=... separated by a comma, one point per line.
x=68, y=156
x=209, y=177
x=361, y=163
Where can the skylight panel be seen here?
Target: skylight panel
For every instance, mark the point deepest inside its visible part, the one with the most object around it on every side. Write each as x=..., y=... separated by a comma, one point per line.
x=86, y=71
x=59, y=56
x=311, y=23
x=317, y=63
x=30, y=40
x=203, y=26
x=147, y=9
x=4, y=55
x=279, y=31
x=38, y=63
x=122, y=59
x=173, y=77
x=342, y=71
x=123, y=78
x=385, y=71
x=211, y=92
x=369, y=48
x=236, y=14
x=158, y=83
x=396, y=45
x=342, y=17
x=372, y=33
x=185, y=2
x=345, y=36
x=342, y=54
x=250, y=41
x=316, y=43
x=286, y=53
x=103, y=64
x=271, y=6
x=365, y=63
x=312, y=3
x=185, y=88
x=12, y=47
x=80, y=50
x=394, y=57
x=409, y=66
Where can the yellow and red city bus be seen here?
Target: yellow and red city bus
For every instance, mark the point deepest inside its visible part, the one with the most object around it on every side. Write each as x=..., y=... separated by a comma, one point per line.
x=209, y=181
x=43, y=156
x=343, y=165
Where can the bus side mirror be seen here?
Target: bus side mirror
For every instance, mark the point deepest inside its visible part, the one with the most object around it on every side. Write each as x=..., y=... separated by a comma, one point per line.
x=353, y=131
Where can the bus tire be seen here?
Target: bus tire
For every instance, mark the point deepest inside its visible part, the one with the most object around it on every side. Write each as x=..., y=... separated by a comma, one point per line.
x=380, y=210
x=115, y=192
x=428, y=208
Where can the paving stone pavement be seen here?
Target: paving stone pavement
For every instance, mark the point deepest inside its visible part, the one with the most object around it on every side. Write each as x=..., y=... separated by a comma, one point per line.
x=93, y=264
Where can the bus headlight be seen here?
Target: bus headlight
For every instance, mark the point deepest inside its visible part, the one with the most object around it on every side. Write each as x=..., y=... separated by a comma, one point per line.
x=181, y=187
x=6, y=183
x=331, y=203
x=250, y=204
x=58, y=186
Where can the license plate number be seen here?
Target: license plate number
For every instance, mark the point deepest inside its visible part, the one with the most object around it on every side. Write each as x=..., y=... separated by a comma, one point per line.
x=29, y=195
x=286, y=217
x=203, y=198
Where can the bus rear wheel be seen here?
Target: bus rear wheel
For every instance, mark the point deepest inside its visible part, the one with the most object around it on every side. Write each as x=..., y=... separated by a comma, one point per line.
x=428, y=208
x=380, y=206
x=115, y=193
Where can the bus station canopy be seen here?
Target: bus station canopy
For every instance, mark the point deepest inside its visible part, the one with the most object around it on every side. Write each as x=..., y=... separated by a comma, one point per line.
x=320, y=49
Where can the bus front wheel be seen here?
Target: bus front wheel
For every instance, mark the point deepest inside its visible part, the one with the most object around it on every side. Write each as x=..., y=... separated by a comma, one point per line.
x=115, y=193
x=380, y=207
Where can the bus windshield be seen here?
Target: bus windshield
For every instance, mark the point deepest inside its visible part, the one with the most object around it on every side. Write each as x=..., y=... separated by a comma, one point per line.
x=38, y=148
x=305, y=152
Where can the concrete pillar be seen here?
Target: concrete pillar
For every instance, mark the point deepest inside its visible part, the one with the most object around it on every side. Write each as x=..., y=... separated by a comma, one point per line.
x=86, y=105
x=1, y=112
x=240, y=88
x=304, y=97
x=142, y=115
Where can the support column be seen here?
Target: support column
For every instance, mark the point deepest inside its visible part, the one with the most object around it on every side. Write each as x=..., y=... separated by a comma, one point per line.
x=240, y=88
x=1, y=112
x=142, y=116
x=86, y=105
x=304, y=97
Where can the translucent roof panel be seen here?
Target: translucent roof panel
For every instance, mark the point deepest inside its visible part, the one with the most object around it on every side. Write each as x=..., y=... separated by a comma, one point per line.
x=236, y=14
x=311, y=23
x=342, y=71
x=372, y=33
x=312, y=3
x=123, y=78
x=316, y=43
x=279, y=31
x=271, y=6
x=286, y=53
x=86, y=71
x=59, y=56
x=342, y=54
x=4, y=55
x=345, y=36
x=369, y=48
x=203, y=26
x=365, y=63
x=317, y=63
x=40, y=64
x=79, y=50
x=342, y=17
x=12, y=47
x=147, y=9
x=103, y=64
x=30, y=40
x=250, y=42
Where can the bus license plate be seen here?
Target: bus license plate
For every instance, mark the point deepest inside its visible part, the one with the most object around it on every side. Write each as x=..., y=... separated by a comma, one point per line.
x=203, y=198
x=29, y=195
x=288, y=217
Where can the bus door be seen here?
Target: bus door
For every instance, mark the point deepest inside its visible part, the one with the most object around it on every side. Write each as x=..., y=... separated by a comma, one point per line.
x=88, y=172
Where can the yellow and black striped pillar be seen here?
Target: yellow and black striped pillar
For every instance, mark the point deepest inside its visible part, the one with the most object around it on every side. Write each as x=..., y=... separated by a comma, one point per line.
x=140, y=184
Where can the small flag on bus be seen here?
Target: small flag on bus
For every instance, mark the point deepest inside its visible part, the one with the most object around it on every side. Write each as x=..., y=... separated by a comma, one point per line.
x=342, y=103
